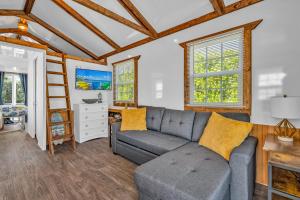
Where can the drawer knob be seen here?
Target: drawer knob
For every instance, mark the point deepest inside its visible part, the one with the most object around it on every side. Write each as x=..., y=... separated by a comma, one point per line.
x=86, y=125
x=86, y=133
x=86, y=117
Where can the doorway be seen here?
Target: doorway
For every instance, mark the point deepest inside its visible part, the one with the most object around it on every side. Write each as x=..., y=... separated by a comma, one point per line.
x=22, y=90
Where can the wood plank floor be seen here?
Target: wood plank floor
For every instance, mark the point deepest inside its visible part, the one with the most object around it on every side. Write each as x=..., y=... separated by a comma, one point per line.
x=91, y=172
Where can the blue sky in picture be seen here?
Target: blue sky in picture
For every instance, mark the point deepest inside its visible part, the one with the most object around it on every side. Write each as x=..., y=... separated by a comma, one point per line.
x=93, y=79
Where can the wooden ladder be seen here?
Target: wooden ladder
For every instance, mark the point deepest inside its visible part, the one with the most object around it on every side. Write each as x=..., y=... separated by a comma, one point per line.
x=65, y=112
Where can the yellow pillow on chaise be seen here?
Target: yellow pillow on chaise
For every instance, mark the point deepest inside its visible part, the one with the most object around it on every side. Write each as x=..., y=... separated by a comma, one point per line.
x=134, y=119
x=222, y=134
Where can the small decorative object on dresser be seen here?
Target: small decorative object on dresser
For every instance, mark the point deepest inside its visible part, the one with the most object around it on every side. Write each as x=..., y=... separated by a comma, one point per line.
x=285, y=108
x=284, y=168
x=91, y=121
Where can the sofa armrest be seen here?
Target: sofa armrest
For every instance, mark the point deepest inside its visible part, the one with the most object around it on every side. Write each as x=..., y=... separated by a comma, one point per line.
x=115, y=127
x=242, y=164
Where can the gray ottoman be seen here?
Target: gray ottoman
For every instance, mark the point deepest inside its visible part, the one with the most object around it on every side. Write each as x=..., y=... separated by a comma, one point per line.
x=191, y=172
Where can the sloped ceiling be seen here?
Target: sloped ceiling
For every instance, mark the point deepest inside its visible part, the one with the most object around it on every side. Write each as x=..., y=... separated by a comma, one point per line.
x=97, y=28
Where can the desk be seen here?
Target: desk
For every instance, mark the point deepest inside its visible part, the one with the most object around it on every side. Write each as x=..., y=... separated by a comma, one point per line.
x=283, y=168
x=114, y=115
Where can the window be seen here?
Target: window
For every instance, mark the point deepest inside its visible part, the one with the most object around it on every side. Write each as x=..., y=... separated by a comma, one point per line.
x=218, y=70
x=12, y=92
x=125, y=82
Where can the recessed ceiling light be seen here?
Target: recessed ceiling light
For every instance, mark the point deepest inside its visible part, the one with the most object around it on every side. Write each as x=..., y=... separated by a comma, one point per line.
x=129, y=56
x=176, y=41
x=15, y=68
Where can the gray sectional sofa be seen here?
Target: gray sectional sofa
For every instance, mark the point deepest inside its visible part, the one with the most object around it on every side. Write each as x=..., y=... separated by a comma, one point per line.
x=173, y=166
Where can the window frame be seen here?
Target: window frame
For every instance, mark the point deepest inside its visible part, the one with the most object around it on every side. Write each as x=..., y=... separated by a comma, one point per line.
x=14, y=89
x=246, y=72
x=133, y=103
x=239, y=71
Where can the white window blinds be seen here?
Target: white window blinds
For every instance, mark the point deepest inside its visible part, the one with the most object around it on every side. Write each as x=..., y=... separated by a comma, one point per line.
x=124, y=77
x=216, y=70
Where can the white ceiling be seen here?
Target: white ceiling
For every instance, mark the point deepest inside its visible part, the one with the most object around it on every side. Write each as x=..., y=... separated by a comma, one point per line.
x=121, y=34
x=8, y=22
x=12, y=4
x=169, y=13
x=228, y=2
x=161, y=14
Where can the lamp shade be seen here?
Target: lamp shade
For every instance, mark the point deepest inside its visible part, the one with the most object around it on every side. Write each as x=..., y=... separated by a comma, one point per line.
x=285, y=107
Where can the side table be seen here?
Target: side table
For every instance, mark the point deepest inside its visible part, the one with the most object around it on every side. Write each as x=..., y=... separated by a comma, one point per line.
x=283, y=169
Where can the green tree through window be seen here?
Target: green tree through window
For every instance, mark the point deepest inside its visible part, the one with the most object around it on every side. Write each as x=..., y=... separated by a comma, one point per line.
x=20, y=96
x=124, y=74
x=7, y=89
x=216, y=70
x=10, y=90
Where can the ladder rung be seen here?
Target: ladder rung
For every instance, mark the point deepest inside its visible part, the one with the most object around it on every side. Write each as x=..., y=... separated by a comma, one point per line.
x=59, y=110
x=54, y=61
x=65, y=137
x=59, y=123
x=57, y=73
x=56, y=84
x=58, y=97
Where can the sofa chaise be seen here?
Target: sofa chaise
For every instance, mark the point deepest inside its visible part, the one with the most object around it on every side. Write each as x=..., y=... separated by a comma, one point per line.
x=173, y=166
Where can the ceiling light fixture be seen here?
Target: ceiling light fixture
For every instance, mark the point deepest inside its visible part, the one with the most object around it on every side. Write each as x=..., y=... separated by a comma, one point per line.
x=22, y=25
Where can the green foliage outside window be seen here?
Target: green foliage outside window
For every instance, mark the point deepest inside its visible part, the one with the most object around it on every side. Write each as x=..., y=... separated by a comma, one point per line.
x=125, y=84
x=7, y=90
x=20, y=97
x=211, y=88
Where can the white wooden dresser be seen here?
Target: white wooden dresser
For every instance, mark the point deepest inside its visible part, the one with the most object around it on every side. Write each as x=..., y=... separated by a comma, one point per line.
x=91, y=121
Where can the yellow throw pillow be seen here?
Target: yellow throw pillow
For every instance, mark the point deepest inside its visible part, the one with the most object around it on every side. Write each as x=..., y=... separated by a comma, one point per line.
x=222, y=134
x=134, y=119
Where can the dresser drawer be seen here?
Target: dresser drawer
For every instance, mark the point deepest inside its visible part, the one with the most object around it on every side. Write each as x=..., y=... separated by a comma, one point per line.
x=92, y=124
x=94, y=116
x=94, y=132
x=90, y=108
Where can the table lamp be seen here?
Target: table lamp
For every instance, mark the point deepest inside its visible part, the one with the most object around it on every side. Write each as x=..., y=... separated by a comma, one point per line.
x=285, y=108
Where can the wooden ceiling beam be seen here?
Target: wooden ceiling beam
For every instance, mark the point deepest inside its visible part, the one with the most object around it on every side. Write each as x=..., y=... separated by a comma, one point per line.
x=22, y=43
x=16, y=13
x=218, y=6
x=61, y=35
x=27, y=34
x=135, y=13
x=85, y=22
x=100, y=9
x=210, y=16
x=28, y=6
x=67, y=56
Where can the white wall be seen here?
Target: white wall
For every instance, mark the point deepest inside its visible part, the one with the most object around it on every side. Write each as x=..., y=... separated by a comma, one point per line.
x=12, y=64
x=76, y=95
x=275, y=57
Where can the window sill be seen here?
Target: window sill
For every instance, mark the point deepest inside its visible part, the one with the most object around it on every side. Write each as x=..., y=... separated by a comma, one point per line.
x=131, y=104
x=216, y=109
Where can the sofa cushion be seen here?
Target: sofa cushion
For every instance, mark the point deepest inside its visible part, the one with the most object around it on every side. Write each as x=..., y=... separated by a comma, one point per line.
x=201, y=119
x=190, y=172
x=152, y=141
x=178, y=123
x=222, y=134
x=154, y=117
